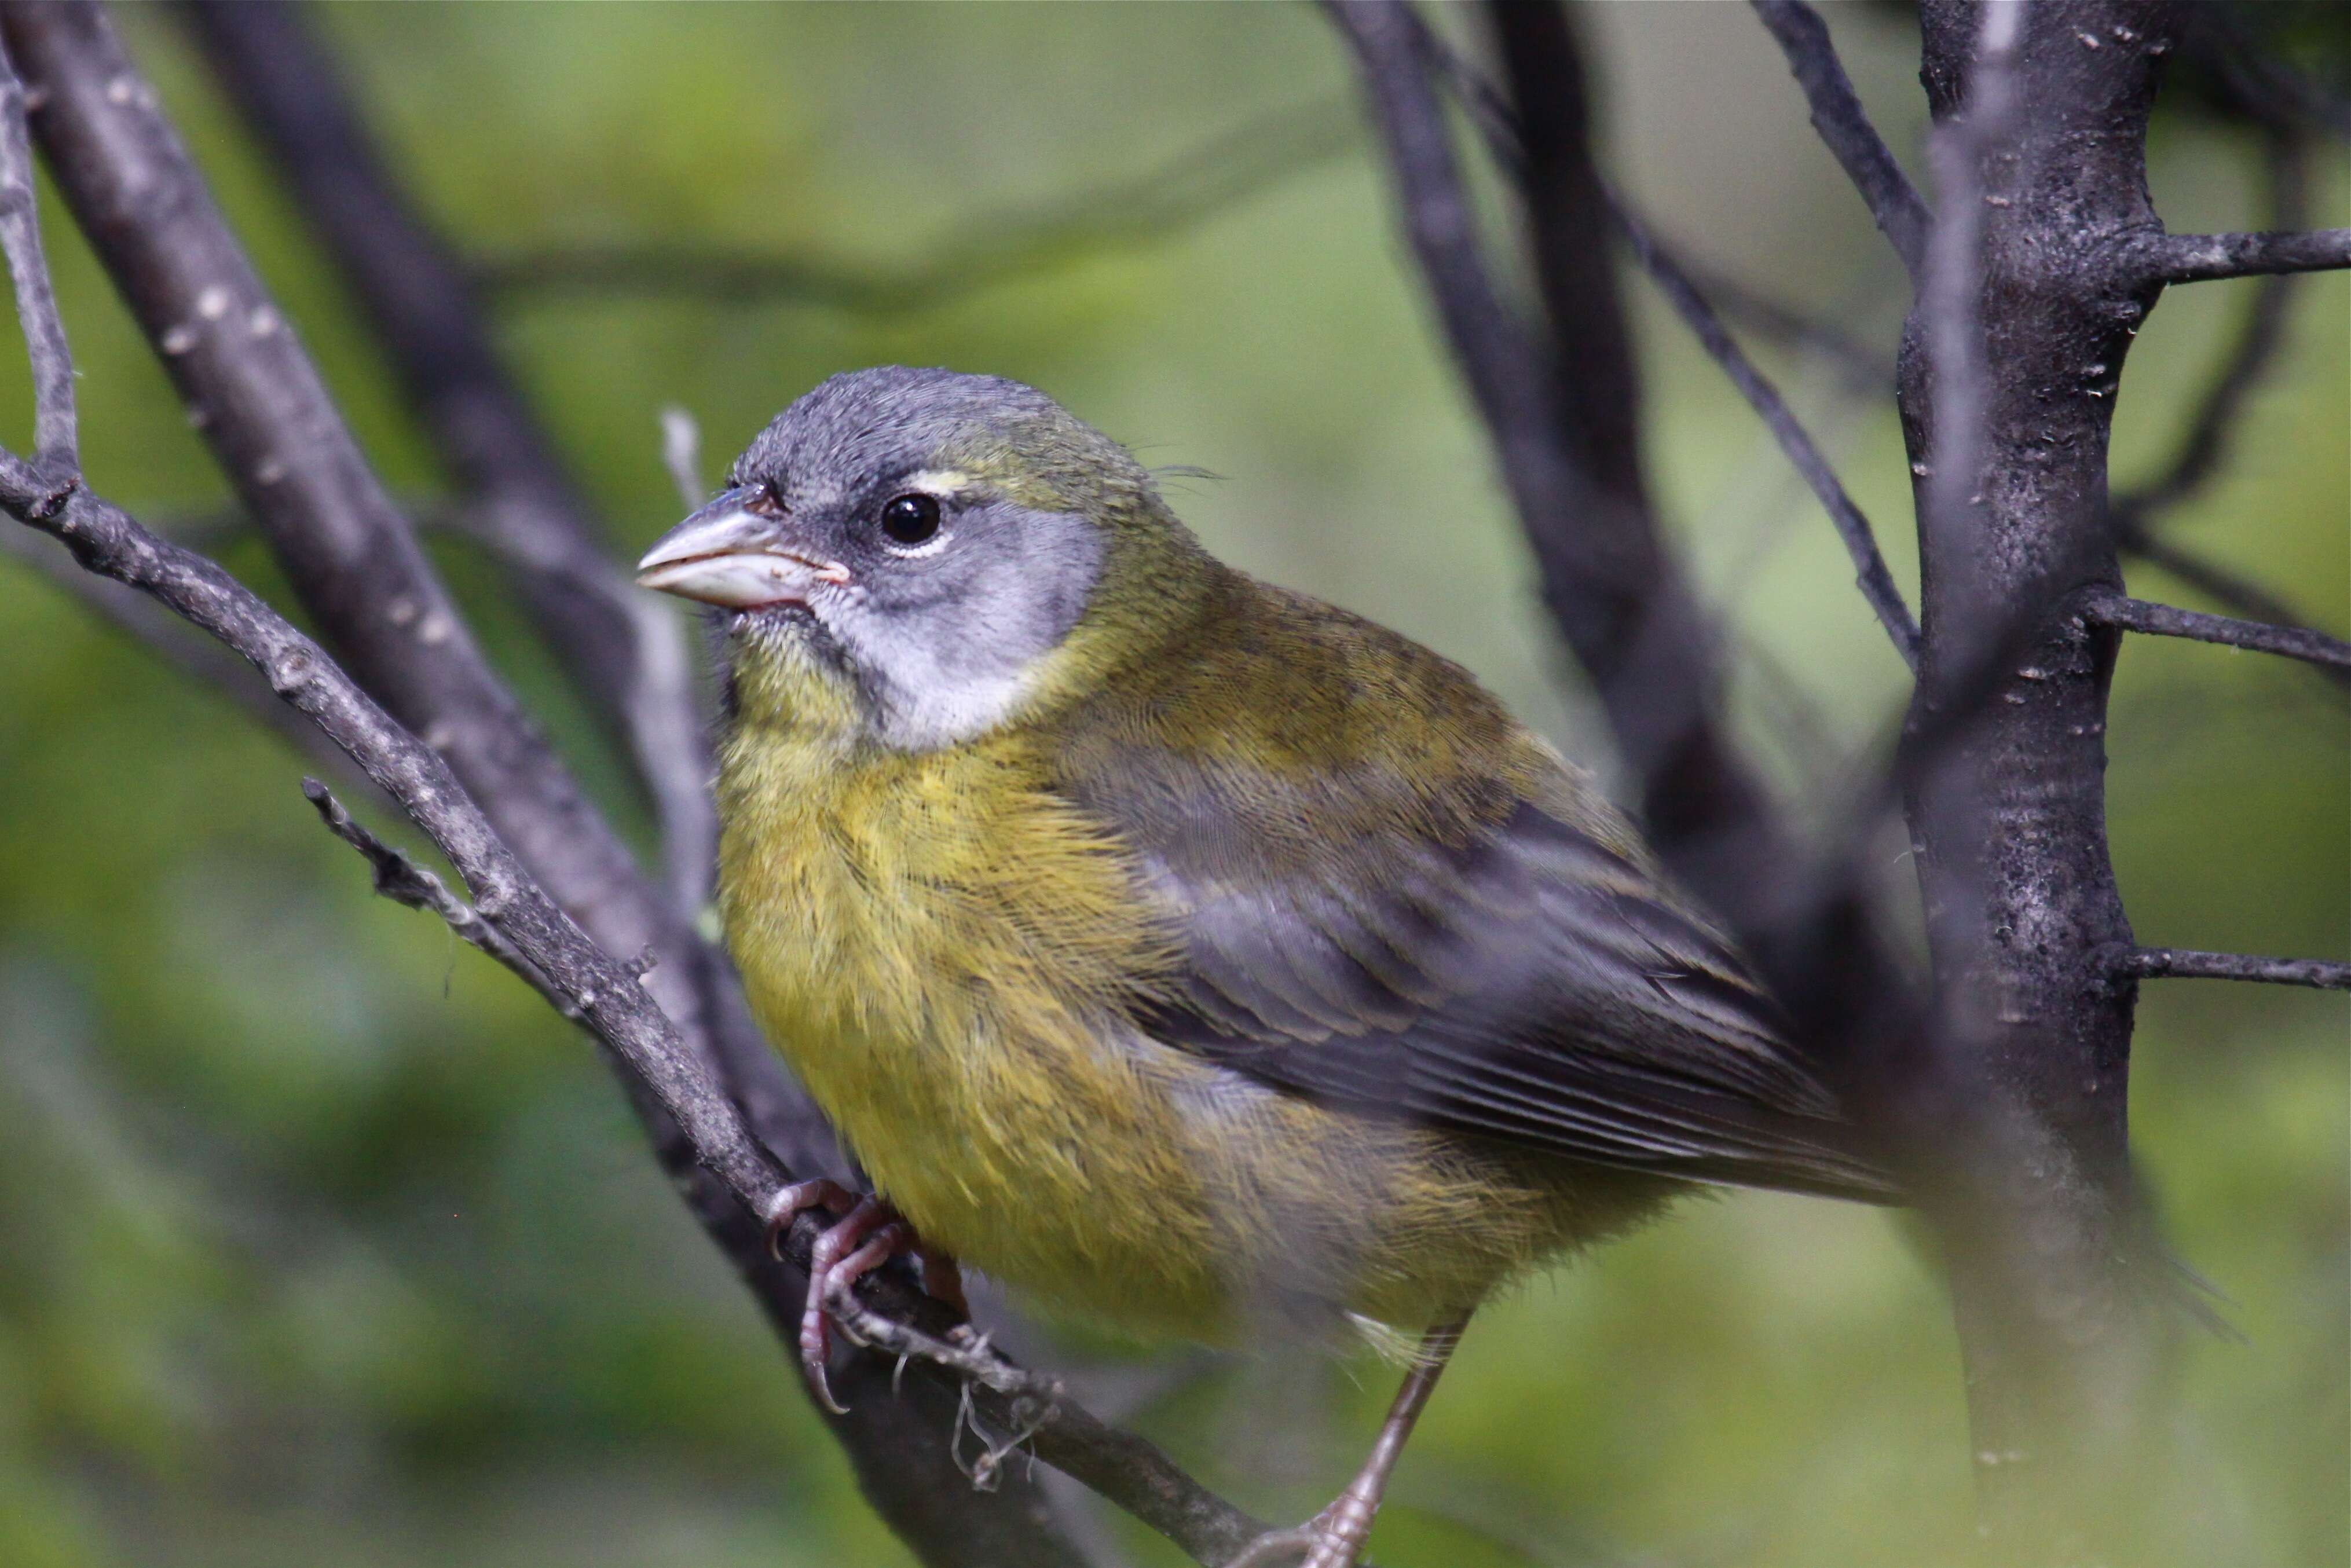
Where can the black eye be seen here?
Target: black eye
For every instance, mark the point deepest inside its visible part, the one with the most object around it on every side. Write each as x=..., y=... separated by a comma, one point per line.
x=911, y=519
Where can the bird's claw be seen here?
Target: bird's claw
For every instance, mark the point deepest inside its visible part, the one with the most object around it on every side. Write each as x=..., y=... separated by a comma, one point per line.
x=791, y=1202
x=866, y=1233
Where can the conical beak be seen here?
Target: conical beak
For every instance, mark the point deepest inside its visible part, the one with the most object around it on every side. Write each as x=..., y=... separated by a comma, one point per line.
x=725, y=554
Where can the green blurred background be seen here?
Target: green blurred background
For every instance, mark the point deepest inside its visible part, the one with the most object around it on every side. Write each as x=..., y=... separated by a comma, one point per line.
x=322, y=1240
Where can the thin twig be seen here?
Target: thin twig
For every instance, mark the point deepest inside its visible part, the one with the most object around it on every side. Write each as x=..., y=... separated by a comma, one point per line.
x=2202, y=449
x=1861, y=370
x=1617, y=597
x=2197, y=258
x=2164, y=621
x=2188, y=964
x=404, y=882
x=1128, y=214
x=1500, y=126
x=54, y=439
x=731, y=1179
x=1844, y=127
x=2254, y=81
x=625, y=651
x=1871, y=574
x=2223, y=587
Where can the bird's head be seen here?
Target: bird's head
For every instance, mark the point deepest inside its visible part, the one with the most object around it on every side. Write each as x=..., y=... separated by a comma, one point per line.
x=932, y=546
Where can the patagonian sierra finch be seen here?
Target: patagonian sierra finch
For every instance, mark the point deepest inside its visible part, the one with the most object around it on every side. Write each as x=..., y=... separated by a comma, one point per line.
x=1183, y=952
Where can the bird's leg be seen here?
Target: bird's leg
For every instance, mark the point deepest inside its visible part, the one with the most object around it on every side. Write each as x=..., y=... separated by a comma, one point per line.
x=1334, y=1538
x=866, y=1233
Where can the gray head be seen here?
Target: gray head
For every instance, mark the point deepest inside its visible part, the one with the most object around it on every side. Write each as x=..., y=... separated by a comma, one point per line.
x=926, y=535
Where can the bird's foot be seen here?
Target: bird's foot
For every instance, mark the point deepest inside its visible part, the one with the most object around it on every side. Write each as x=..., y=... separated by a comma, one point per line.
x=865, y=1233
x=1332, y=1538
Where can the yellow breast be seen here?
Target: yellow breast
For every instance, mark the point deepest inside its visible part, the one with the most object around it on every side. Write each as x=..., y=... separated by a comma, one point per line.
x=938, y=944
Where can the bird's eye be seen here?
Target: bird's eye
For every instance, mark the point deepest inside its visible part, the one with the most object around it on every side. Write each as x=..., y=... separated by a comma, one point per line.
x=765, y=503
x=911, y=519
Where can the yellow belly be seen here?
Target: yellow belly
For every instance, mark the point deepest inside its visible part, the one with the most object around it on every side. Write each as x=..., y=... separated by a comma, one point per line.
x=944, y=951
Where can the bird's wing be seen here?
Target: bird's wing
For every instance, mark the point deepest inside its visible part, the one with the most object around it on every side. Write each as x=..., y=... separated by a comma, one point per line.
x=1502, y=971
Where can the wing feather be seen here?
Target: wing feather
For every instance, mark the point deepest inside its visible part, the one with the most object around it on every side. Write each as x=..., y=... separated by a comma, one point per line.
x=1532, y=986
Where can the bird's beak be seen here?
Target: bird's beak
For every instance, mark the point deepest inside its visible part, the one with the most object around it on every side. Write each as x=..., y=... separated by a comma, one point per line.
x=725, y=554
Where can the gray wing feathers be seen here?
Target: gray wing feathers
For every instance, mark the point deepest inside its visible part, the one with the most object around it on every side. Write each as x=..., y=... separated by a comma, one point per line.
x=1531, y=985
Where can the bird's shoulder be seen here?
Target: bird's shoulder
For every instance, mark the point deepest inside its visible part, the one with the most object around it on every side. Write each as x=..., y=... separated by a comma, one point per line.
x=1314, y=727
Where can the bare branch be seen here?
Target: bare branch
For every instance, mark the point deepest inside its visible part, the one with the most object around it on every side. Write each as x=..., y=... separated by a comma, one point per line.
x=2203, y=448
x=345, y=545
x=1505, y=137
x=2039, y=159
x=2254, y=81
x=1861, y=370
x=2219, y=584
x=607, y=997
x=1125, y=215
x=729, y=1179
x=1871, y=575
x=54, y=439
x=2187, y=964
x=1844, y=127
x=625, y=651
x=2197, y=258
x=1615, y=595
x=404, y=882
x=2163, y=620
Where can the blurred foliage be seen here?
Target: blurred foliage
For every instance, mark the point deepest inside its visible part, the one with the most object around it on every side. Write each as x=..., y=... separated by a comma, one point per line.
x=324, y=1240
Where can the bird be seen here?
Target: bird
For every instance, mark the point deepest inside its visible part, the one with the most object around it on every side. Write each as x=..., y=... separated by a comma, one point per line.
x=1184, y=953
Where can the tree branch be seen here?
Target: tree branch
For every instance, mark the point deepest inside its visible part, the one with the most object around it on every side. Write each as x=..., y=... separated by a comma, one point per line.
x=1506, y=140
x=404, y=882
x=2163, y=620
x=681, y=456
x=626, y=652
x=147, y=214
x=2202, y=450
x=2008, y=370
x=1124, y=214
x=55, y=439
x=1871, y=574
x=1618, y=600
x=2221, y=586
x=1806, y=922
x=1844, y=127
x=604, y=995
x=2187, y=964
x=2197, y=258
x=1861, y=370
